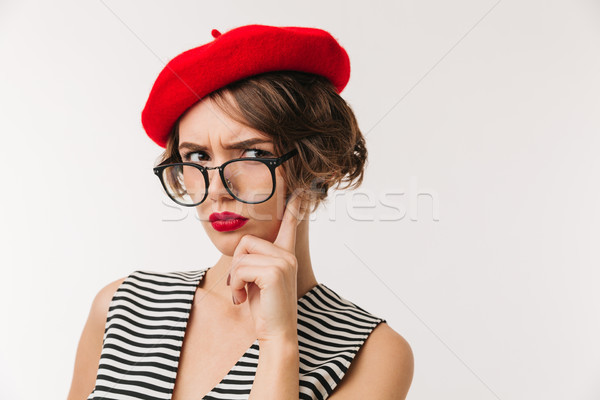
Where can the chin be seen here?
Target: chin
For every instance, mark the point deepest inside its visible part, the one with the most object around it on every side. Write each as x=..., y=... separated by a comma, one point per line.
x=226, y=242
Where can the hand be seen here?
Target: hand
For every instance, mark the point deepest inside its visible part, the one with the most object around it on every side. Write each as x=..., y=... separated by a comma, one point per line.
x=270, y=272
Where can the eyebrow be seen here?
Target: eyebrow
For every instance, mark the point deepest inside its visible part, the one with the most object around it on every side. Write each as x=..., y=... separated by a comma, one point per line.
x=244, y=144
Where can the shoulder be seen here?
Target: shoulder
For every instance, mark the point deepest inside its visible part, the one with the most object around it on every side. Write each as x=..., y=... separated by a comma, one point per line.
x=99, y=310
x=104, y=296
x=90, y=344
x=100, y=305
x=383, y=368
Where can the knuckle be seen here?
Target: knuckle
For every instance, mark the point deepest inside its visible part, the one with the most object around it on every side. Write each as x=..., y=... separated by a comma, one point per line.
x=281, y=264
x=291, y=260
x=245, y=239
x=236, y=263
x=276, y=274
x=235, y=271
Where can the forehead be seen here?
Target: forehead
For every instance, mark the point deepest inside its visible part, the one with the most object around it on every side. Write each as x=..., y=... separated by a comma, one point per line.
x=206, y=123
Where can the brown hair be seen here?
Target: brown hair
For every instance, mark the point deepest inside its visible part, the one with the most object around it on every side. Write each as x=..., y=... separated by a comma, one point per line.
x=297, y=110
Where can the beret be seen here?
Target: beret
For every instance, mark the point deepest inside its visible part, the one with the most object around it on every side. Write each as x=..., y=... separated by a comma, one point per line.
x=236, y=54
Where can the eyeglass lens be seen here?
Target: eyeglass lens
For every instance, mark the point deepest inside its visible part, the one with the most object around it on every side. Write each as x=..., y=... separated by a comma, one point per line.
x=249, y=181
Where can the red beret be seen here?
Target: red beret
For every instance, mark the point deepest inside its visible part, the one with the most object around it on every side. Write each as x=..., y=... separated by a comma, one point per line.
x=239, y=53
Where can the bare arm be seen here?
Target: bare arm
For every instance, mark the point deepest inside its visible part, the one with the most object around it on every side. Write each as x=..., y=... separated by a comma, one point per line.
x=277, y=372
x=90, y=344
x=381, y=370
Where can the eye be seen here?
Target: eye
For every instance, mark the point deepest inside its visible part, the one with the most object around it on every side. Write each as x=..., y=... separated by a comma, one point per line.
x=259, y=153
x=201, y=156
x=188, y=156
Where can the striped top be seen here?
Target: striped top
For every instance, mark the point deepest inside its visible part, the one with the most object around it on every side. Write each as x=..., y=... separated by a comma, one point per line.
x=146, y=324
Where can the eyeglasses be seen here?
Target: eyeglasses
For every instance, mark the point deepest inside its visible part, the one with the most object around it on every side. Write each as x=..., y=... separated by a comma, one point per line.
x=249, y=180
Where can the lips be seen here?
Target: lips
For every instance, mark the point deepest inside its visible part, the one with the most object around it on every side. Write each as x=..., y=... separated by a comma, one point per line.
x=224, y=216
x=227, y=221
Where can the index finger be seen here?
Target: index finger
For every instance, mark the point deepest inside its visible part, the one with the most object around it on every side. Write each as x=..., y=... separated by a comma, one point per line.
x=286, y=237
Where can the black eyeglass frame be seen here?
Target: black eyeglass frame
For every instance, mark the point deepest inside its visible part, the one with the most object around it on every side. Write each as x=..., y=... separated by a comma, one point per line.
x=271, y=162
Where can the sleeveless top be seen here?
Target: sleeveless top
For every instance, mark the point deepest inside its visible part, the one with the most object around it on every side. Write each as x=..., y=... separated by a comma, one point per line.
x=146, y=323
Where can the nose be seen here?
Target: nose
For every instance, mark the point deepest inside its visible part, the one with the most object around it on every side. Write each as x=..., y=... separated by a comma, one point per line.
x=216, y=189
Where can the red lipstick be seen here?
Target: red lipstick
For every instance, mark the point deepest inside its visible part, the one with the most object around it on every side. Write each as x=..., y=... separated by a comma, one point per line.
x=227, y=221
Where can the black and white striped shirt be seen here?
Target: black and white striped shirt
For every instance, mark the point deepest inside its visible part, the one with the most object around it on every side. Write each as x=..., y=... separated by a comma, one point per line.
x=146, y=324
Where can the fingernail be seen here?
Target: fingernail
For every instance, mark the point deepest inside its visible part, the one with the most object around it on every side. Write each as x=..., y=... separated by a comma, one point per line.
x=228, y=279
x=233, y=299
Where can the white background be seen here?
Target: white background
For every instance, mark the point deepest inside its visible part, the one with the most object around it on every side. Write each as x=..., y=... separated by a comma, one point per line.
x=484, y=114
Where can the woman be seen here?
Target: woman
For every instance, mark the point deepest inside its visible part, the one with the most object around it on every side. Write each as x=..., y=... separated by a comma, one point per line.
x=255, y=133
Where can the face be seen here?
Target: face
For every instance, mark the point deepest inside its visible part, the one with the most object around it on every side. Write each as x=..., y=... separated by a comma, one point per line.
x=206, y=126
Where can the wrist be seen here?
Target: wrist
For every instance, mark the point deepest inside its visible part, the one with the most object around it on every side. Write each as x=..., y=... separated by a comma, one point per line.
x=277, y=375
x=281, y=348
x=280, y=343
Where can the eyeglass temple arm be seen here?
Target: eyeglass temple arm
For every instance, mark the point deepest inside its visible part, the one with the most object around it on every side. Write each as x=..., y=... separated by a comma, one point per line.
x=288, y=155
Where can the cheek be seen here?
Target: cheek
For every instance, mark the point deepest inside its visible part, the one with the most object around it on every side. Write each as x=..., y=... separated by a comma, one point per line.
x=270, y=212
x=265, y=217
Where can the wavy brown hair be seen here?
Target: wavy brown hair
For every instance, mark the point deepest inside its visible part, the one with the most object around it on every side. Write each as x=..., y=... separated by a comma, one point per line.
x=297, y=110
